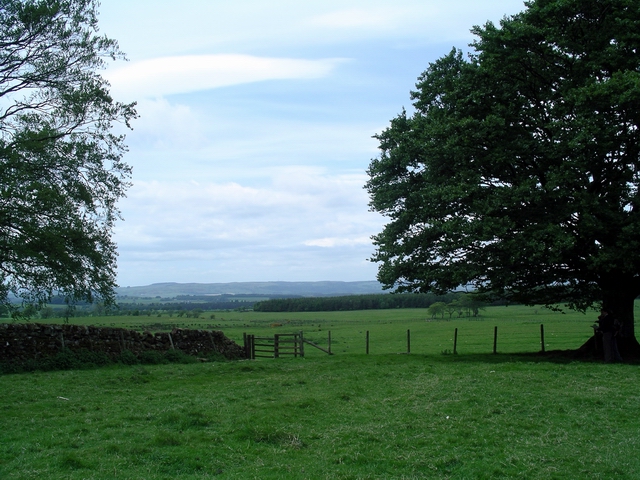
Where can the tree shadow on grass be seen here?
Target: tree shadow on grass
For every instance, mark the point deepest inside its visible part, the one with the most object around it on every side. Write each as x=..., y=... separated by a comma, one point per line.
x=561, y=357
x=554, y=356
x=590, y=352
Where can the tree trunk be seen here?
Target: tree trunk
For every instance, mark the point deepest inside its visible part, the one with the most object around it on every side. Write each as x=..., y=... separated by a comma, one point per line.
x=621, y=302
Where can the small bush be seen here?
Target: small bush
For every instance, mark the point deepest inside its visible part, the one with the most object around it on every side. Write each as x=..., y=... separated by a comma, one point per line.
x=86, y=359
x=128, y=358
x=178, y=356
x=152, y=357
x=89, y=359
x=11, y=367
x=216, y=357
x=64, y=360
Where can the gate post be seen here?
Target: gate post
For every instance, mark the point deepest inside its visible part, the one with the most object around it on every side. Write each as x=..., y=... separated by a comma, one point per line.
x=252, y=347
x=301, y=340
x=455, y=342
x=495, y=340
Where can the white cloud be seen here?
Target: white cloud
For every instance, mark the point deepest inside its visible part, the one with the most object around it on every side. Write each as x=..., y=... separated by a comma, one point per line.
x=331, y=242
x=303, y=202
x=164, y=125
x=361, y=18
x=180, y=142
x=212, y=224
x=183, y=74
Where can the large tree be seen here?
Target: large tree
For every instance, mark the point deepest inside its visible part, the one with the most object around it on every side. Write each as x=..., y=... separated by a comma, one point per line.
x=518, y=172
x=61, y=168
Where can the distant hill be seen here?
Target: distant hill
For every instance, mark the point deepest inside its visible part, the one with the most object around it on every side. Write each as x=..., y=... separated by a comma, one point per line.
x=304, y=289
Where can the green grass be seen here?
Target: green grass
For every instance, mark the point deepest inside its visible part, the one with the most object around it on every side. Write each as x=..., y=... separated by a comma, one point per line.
x=518, y=328
x=349, y=416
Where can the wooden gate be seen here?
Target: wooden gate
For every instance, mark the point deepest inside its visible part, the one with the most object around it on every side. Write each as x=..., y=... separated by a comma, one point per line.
x=280, y=345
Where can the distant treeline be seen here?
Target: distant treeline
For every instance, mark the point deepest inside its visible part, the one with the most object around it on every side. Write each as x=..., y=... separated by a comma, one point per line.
x=175, y=307
x=229, y=298
x=353, y=302
x=196, y=305
x=183, y=305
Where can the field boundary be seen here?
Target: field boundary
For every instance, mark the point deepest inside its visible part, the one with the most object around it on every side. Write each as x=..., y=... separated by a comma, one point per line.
x=21, y=342
x=279, y=345
x=292, y=344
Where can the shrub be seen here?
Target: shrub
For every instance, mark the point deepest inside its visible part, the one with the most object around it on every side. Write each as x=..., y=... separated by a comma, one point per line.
x=86, y=359
x=152, y=357
x=64, y=360
x=178, y=356
x=89, y=359
x=216, y=357
x=128, y=358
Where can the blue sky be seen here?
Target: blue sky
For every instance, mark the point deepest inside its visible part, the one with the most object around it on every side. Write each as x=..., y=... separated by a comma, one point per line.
x=255, y=130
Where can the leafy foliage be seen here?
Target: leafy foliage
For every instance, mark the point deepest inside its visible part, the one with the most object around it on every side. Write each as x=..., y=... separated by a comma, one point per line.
x=519, y=171
x=61, y=169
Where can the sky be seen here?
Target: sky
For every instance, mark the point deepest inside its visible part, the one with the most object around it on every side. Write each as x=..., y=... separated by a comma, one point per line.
x=256, y=129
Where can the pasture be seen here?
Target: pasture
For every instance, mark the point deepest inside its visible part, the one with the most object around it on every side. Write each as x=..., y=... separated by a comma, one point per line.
x=518, y=328
x=346, y=416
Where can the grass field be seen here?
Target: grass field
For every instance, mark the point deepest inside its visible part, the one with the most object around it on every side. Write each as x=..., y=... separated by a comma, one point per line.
x=518, y=328
x=350, y=416
x=347, y=416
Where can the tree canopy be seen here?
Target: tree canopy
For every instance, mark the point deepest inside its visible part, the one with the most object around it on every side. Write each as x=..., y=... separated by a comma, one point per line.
x=518, y=171
x=61, y=168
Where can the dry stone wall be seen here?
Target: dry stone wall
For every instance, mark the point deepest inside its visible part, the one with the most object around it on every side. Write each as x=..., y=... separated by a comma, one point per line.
x=19, y=342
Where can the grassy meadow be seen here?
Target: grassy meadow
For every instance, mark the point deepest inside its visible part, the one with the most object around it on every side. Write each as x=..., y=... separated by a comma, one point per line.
x=348, y=416
x=518, y=328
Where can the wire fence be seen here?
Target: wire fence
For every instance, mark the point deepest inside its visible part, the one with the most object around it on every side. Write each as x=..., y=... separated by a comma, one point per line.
x=454, y=340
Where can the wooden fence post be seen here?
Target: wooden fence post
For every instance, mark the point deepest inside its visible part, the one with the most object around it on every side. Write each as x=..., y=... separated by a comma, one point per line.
x=329, y=347
x=495, y=340
x=542, y=337
x=276, y=346
x=455, y=342
x=408, y=341
x=301, y=340
x=367, y=342
x=245, y=341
